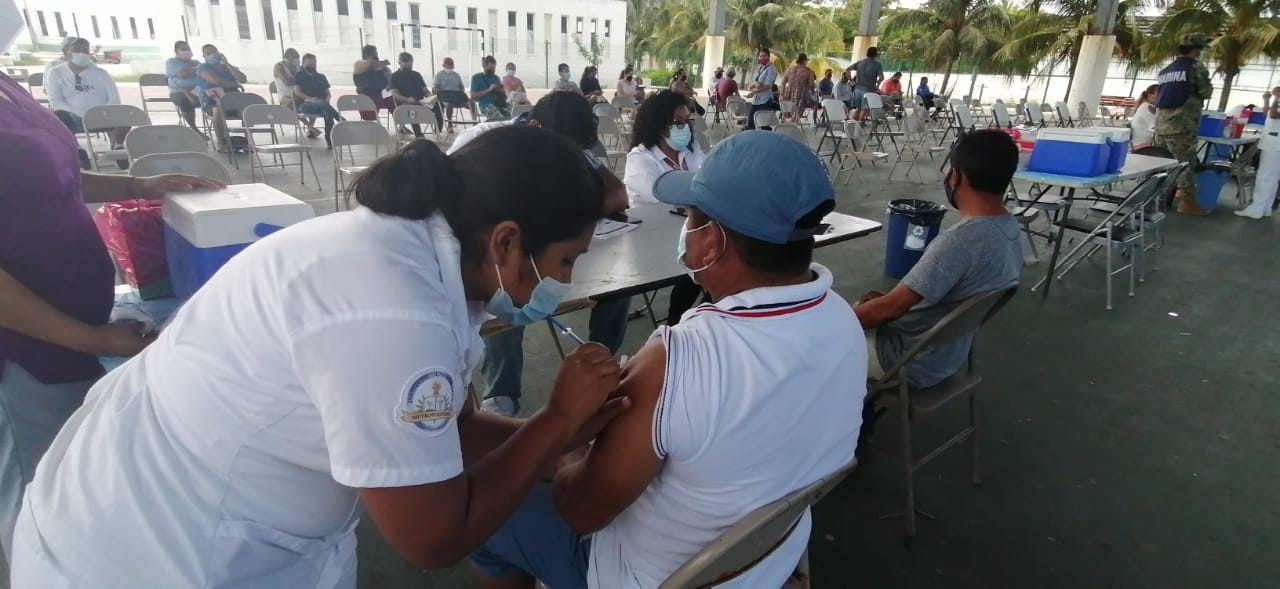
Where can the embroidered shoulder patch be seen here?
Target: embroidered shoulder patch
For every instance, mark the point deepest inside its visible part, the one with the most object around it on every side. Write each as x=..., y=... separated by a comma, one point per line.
x=427, y=401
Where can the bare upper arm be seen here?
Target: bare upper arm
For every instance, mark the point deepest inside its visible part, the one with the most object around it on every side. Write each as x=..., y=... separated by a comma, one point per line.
x=622, y=461
x=881, y=310
x=398, y=511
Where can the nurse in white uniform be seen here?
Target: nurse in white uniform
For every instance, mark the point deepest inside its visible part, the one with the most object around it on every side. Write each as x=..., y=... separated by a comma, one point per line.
x=1265, y=183
x=324, y=372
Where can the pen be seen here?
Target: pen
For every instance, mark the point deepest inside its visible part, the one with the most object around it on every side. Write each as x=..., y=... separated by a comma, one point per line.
x=565, y=330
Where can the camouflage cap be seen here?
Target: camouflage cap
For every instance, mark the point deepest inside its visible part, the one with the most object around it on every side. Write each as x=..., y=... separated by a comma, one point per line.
x=1193, y=40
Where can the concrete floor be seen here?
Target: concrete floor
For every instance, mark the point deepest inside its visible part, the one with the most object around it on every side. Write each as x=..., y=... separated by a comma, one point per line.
x=1127, y=448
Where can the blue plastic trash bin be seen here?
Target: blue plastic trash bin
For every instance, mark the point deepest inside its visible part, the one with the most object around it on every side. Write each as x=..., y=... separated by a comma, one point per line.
x=913, y=224
x=1210, y=179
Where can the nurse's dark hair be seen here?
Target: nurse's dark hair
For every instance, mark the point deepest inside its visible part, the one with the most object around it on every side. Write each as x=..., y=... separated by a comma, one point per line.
x=528, y=175
x=654, y=116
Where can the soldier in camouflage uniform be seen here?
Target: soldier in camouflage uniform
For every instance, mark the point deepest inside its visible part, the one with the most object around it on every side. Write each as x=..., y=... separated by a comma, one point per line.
x=1184, y=86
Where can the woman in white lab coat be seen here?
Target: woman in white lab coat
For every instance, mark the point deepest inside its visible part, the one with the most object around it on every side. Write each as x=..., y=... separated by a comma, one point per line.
x=1142, y=125
x=323, y=373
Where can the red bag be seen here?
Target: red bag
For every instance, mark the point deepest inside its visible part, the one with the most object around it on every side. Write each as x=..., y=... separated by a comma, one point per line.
x=134, y=233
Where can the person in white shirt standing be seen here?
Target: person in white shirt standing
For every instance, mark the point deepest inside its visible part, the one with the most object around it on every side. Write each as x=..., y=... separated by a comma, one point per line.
x=321, y=376
x=78, y=85
x=1264, y=191
x=754, y=395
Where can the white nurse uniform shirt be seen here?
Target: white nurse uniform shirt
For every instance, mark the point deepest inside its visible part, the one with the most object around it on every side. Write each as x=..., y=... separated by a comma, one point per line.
x=331, y=356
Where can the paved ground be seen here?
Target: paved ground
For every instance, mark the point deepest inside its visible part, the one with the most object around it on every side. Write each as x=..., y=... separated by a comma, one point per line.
x=1127, y=448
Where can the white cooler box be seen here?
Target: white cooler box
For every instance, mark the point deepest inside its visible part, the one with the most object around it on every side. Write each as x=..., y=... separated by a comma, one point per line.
x=202, y=230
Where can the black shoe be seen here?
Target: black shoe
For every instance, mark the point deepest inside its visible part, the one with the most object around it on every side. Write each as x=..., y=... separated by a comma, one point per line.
x=85, y=164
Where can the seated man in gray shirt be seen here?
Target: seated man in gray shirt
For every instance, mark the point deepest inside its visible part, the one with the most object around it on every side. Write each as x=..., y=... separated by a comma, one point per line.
x=980, y=253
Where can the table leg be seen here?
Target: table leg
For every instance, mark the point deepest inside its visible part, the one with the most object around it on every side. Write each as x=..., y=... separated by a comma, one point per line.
x=1057, y=243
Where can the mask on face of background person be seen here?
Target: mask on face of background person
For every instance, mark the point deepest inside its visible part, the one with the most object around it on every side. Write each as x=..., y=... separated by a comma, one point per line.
x=214, y=59
x=81, y=60
x=11, y=23
x=511, y=73
x=542, y=303
x=566, y=76
x=294, y=62
x=763, y=61
x=678, y=138
x=184, y=54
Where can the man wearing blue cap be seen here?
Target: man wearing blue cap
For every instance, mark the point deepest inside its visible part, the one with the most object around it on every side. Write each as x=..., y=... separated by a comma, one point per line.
x=751, y=396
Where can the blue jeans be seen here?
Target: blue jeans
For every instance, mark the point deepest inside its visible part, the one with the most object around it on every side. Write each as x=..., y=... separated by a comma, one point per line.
x=321, y=109
x=504, y=352
x=535, y=540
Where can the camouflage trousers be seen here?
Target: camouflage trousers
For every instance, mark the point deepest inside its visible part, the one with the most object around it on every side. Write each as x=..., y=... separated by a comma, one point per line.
x=1183, y=146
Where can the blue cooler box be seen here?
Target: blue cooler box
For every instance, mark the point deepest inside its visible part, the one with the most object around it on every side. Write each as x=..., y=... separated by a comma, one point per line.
x=202, y=230
x=1120, y=140
x=1083, y=153
x=1259, y=117
x=1212, y=124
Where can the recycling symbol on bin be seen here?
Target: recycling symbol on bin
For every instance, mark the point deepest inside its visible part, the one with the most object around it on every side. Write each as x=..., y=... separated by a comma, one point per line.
x=916, y=235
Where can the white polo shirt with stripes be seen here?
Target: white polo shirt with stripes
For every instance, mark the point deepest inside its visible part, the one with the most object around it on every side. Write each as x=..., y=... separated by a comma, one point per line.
x=762, y=396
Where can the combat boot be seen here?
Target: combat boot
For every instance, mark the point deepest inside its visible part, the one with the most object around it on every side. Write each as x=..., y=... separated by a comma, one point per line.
x=1187, y=205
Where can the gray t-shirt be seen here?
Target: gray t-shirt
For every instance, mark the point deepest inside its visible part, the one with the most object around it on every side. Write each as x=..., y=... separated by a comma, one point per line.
x=449, y=81
x=976, y=255
x=868, y=70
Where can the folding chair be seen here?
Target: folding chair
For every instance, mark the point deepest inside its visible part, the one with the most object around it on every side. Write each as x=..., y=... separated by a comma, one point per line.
x=1120, y=230
x=961, y=322
x=612, y=138
x=755, y=537
x=151, y=139
x=623, y=103
x=787, y=112
x=232, y=106
x=415, y=114
x=836, y=113
x=1063, y=113
x=1034, y=116
x=193, y=163
x=1153, y=217
x=1000, y=116
x=281, y=119
x=37, y=81
x=737, y=113
x=355, y=102
x=874, y=105
x=916, y=141
x=766, y=119
x=793, y=131
x=272, y=92
x=154, y=81
x=1083, y=116
x=519, y=110
x=854, y=155
x=350, y=134
x=106, y=118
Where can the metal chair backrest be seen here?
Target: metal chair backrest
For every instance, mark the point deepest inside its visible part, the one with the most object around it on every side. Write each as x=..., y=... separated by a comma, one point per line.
x=272, y=91
x=964, y=319
x=352, y=133
x=521, y=109
x=111, y=116
x=1001, y=115
x=835, y=110
x=153, y=80
x=193, y=163
x=149, y=139
x=622, y=102
x=605, y=110
x=608, y=126
x=413, y=114
x=787, y=106
x=269, y=114
x=1105, y=112
x=738, y=108
x=1063, y=111
x=754, y=537
x=915, y=129
x=1034, y=116
x=964, y=117
x=35, y=81
x=766, y=118
x=355, y=102
x=234, y=103
x=793, y=131
x=1082, y=110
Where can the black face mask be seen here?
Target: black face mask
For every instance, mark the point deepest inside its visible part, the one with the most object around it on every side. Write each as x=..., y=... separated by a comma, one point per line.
x=309, y=68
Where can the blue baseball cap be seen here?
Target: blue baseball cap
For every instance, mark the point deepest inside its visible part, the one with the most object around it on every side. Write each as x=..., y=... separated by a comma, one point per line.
x=757, y=183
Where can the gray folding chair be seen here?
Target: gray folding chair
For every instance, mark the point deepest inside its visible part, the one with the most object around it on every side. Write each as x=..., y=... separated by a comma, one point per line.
x=613, y=138
x=415, y=114
x=755, y=537
x=232, y=105
x=916, y=142
x=154, y=81
x=836, y=113
x=1000, y=116
x=793, y=131
x=766, y=119
x=355, y=102
x=151, y=139
x=37, y=81
x=280, y=120
x=1034, y=116
x=521, y=109
x=348, y=134
x=962, y=321
x=193, y=163
x=1064, y=114
x=106, y=118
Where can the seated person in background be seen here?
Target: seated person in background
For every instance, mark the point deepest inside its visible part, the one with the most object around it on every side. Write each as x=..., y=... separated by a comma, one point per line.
x=590, y=84
x=565, y=83
x=892, y=90
x=982, y=252
x=926, y=95
x=517, y=95
x=680, y=85
x=570, y=115
x=78, y=85
x=487, y=91
x=217, y=77
x=843, y=91
x=826, y=87
x=312, y=91
x=408, y=87
x=1143, y=122
x=726, y=88
x=448, y=88
x=371, y=76
x=662, y=141
x=184, y=84
x=752, y=396
x=285, y=71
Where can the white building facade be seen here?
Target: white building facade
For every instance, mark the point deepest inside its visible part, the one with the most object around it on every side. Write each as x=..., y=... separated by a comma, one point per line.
x=537, y=35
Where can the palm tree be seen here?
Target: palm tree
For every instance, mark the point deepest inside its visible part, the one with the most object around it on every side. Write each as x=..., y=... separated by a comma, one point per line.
x=964, y=27
x=642, y=24
x=1054, y=30
x=1239, y=31
x=785, y=26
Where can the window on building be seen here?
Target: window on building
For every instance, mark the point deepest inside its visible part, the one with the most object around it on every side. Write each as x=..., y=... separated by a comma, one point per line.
x=472, y=17
x=342, y=8
x=215, y=18
x=189, y=10
x=393, y=11
x=291, y=16
x=595, y=27
x=268, y=20
x=44, y=30
x=564, y=25
x=577, y=27
x=415, y=17
x=317, y=6
x=97, y=33
x=151, y=29
x=317, y=23
x=290, y=4
x=367, y=6
x=608, y=28
x=242, y=19
x=492, y=30
x=451, y=18
x=133, y=27
x=450, y=13
x=57, y=24
x=115, y=28
x=528, y=27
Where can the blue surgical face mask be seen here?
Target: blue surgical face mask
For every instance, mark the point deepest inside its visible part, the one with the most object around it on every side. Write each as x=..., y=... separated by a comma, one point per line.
x=542, y=303
x=680, y=248
x=566, y=75
x=680, y=137
x=214, y=59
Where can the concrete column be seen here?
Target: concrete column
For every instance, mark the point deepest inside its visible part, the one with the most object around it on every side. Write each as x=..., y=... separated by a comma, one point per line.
x=866, y=29
x=1091, y=71
x=713, y=54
